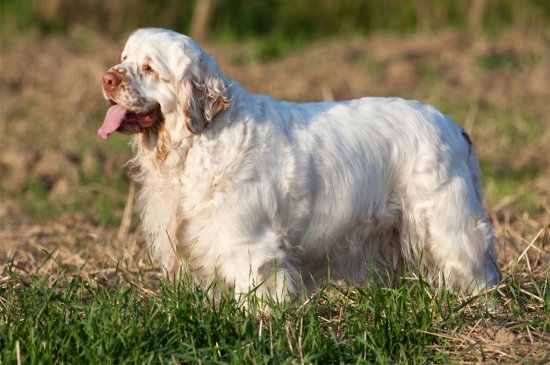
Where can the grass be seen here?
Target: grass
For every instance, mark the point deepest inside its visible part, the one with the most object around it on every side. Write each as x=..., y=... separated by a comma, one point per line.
x=277, y=26
x=68, y=318
x=61, y=300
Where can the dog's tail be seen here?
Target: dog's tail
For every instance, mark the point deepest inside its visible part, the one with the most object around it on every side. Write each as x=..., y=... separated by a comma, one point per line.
x=492, y=273
x=473, y=165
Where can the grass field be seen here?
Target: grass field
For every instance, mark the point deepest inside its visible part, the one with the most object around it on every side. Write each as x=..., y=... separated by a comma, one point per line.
x=77, y=285
x=64, y=317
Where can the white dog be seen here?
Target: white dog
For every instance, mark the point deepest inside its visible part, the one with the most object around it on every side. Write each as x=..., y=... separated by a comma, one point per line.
x=278, y=195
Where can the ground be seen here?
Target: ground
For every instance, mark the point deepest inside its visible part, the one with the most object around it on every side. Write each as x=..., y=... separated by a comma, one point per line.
x=66, y=200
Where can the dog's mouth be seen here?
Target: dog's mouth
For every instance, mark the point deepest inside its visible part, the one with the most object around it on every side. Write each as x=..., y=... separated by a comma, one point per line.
x=120, y=119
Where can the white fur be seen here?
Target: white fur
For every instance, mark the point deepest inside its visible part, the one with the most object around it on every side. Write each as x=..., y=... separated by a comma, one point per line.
x=277, y=193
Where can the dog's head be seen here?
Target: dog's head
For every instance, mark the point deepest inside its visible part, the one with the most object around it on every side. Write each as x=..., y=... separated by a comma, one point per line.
x=161, y=75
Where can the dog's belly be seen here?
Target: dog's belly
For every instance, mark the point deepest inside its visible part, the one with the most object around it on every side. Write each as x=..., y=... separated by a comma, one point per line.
x=354, y=250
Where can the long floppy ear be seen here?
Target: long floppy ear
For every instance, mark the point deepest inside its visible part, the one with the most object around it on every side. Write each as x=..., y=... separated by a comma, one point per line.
x=205, y=95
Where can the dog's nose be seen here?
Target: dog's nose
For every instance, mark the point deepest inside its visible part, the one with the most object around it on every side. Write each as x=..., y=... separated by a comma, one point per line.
x=110, y=81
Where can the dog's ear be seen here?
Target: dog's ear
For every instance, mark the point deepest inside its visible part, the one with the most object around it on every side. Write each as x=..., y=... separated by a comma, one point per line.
x=205, y=95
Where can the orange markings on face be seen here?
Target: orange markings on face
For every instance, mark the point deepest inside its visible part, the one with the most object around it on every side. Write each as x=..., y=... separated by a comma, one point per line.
x=146, y=67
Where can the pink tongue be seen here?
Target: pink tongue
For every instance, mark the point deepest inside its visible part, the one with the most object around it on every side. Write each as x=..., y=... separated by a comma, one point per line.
x=113, y=120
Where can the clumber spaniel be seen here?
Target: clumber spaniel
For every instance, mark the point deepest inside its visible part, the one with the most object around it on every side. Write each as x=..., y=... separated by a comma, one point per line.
x=278, y=195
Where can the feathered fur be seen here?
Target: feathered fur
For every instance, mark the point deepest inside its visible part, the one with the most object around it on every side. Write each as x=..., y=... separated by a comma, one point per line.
x=256, y=191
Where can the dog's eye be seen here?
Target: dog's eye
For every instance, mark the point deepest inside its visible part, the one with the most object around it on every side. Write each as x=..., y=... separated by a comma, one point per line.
x=147, y=68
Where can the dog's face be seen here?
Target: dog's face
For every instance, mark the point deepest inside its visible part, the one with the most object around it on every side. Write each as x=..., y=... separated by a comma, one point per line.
x=162, y=73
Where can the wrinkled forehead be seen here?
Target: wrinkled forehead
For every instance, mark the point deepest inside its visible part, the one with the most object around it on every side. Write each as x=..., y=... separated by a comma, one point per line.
x=161, y=45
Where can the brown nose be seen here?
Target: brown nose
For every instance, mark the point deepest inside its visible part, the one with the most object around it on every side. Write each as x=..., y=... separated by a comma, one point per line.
x=110, y=81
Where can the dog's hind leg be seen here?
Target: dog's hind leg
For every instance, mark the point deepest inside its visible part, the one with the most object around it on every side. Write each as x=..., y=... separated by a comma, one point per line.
x=444, y=211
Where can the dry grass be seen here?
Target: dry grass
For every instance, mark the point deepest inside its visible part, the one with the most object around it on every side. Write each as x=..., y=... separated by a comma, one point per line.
x=64, y=192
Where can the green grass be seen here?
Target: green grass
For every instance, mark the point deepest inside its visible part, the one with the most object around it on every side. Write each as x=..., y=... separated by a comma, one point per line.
x=65, y=318
x=97, y=194
x=68, y=317
x=89, y=198
x=272, y=20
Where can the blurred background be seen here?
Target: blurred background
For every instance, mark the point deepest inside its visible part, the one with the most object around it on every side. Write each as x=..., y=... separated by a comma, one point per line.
x=65, y=193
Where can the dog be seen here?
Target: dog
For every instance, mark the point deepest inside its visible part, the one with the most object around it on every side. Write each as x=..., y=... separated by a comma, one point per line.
x=277, y=196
